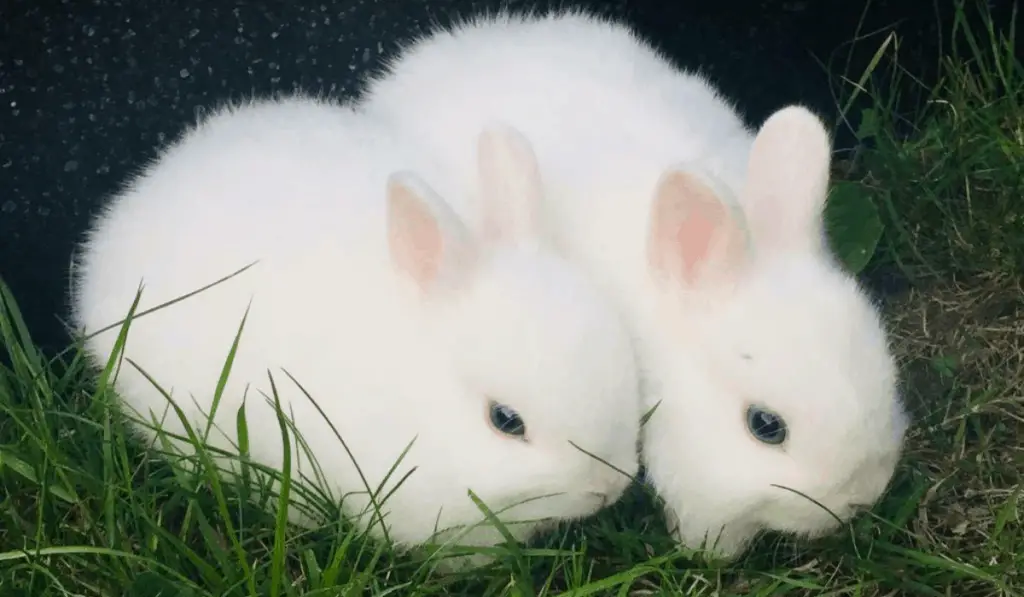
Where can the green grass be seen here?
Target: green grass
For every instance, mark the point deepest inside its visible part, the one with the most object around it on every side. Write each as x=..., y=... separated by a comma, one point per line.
x=84, y=511
x=948, y=194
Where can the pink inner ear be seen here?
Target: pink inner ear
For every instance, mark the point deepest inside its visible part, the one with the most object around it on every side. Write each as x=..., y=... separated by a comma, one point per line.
x=414, y=236
x=693, y=231
x=694, y=236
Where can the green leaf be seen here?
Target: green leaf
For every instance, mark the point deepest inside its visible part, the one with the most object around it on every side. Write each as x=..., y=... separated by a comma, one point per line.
x=853, y=224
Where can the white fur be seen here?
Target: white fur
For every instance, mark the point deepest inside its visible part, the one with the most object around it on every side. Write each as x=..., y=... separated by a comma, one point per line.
x=778, y=323
x=298, y=186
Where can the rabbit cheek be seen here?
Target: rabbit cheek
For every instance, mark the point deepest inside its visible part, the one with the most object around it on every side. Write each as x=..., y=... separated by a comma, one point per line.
x=499, y=466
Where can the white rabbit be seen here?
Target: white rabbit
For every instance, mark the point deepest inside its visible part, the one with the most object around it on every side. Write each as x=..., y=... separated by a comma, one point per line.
x=494, y=355
x=768, y=364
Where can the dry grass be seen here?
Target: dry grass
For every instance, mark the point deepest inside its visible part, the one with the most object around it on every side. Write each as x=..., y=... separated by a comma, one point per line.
x=962, y=349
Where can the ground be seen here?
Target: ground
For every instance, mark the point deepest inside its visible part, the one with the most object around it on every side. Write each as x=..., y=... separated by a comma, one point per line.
x=86, y=513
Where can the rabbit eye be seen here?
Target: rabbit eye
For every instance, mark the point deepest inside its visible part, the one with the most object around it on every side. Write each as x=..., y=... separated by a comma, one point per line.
x=766, y=426
x=506, y=421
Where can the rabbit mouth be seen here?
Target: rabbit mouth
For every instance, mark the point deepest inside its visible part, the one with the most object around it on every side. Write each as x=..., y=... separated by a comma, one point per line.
x=813, y=522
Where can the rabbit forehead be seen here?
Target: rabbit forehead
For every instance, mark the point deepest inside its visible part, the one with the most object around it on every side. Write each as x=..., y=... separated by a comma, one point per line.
x=809, y=319
x=805, y=342
x=803, y=326
x=534, y=334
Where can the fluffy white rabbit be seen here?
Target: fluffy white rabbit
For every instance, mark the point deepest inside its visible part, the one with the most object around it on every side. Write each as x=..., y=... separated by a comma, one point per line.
x=768, y=364
x=494, y=355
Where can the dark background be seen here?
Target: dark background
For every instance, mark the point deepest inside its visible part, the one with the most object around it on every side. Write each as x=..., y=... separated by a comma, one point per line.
x=89, y=89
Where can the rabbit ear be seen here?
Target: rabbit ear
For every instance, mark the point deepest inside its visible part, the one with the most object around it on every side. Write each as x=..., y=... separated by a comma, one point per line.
x=697, y=234
x=787, y=181
x=510, y=184
x=426, y=238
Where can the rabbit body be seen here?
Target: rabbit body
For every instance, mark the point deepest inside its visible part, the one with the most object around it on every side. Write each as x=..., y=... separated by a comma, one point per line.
x=405, y=325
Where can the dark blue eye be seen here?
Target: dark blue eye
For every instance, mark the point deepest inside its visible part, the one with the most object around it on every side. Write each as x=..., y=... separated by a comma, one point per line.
x=766, y=426
x=506, y=421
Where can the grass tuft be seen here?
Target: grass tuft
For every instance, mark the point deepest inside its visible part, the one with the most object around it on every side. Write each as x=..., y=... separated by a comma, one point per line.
x=949, y=192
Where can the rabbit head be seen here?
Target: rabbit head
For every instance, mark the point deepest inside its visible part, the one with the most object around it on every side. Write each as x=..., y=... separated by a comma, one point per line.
x=776, y=396
x=548, y=364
